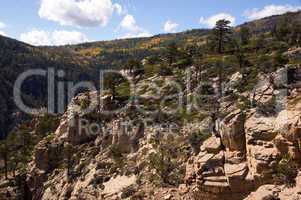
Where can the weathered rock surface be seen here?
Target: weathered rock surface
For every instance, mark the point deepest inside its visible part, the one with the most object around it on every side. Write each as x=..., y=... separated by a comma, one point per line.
x=241, y=157
x=90, y=164
x=277, y=192
x=246, y=155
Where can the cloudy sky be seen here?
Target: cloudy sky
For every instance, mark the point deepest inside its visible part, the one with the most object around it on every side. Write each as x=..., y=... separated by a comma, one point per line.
x=59, y=22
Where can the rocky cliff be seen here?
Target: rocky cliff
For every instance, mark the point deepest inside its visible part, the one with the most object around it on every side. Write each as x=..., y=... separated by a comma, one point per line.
x=251, y=149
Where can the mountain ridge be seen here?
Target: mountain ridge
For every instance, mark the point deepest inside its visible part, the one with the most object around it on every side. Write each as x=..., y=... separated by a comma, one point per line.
x=293, y=15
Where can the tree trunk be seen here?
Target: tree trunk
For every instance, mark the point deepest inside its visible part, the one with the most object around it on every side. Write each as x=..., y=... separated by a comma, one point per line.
x=220, y=81
x=220, y=43
x=113, y=92
x=6, y=162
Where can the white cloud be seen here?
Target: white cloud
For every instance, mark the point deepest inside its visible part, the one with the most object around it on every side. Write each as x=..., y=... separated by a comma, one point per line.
x=129, y=24
x=3, y=33
x=68, y=37
x=269, y=11
x=211, y=21
x=2, y=25
x=170, y=27
x=137, y=35
x=36, y=37
x=41, y=37
x=83, y=13
x=118, y=8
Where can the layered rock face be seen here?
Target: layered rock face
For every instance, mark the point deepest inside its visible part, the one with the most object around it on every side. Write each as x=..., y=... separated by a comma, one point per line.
x=277, y=192
x=246, y=153
x=245, y=156
x=91, y=166
x=221, y=166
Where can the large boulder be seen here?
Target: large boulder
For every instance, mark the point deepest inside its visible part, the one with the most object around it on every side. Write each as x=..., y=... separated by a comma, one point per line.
x=46, y=157
x=121, y=139
x=278, y=192
x=126, y=140
x=232, y=131
x=294, y=53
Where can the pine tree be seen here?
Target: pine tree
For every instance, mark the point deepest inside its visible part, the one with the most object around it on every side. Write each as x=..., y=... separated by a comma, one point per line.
x=171, y=53
x=133, y=65
x=111, y=81
x=241, y=57
x=295, y=36
x=68, y=154
x=221, y=34
x=244, y=35
x=282, y=30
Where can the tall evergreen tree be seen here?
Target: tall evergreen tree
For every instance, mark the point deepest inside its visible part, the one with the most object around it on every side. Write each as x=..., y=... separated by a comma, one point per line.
x=133, y=65
x=244, y=35
x=171, y=53
x=282, y=30
x=111, y=81
x=221, y=34
x=295, y=37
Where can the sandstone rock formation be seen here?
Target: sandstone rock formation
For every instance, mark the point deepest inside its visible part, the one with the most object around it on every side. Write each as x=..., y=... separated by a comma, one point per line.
x=91, y=165
x=277, y=192
x=248, y=151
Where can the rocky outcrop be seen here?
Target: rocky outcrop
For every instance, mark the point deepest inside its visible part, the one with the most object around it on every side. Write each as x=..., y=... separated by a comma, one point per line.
x=232, y=131
x=46, y=158
x=88, y=157
x=246, y=155
x=221, y=165
x=294, y=53
x=277, y=192
x=123, y=139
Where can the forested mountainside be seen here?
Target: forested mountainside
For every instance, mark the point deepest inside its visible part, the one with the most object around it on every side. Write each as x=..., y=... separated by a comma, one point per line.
x=270, y=23
x=236, y=79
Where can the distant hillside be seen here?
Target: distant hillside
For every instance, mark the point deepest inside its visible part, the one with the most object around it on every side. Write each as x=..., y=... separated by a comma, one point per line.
x=17, y=57
x=269, y=23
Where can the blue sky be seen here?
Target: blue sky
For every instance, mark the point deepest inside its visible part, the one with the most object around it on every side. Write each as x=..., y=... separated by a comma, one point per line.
x=58, y=22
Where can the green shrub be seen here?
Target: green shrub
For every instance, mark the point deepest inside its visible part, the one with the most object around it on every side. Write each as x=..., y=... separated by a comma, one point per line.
x=196, y=138
x=244, y=103
x=165, y=71
x=117, y=156
x=138, y=196
x=128, y=191
x=47, y=124
x=84, y=103
x=286, y=171
x=123, y=90
x=164, y=162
